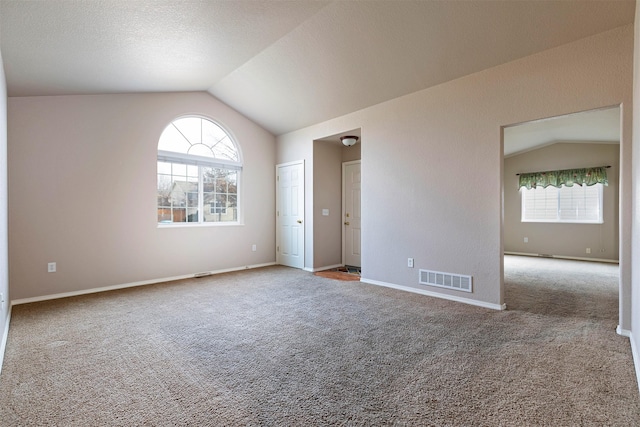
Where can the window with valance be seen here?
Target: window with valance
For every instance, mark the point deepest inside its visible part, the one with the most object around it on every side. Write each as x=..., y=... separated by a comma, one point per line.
x=569, y=195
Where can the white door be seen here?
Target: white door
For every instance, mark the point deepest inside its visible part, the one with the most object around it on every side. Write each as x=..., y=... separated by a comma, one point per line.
x=290, y=214
x=351, y=178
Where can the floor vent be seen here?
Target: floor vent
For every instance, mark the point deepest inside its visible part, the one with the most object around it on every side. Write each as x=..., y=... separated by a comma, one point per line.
x=459, y=282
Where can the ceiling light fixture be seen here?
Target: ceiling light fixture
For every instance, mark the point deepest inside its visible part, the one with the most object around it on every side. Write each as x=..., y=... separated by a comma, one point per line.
x=349, y=140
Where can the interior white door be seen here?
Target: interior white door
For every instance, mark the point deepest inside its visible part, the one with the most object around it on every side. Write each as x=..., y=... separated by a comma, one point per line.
x=290, y=214
x=352, y=215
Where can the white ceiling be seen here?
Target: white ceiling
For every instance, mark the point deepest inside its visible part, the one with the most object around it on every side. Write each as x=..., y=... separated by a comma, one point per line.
x=597, y=126
x=284, y=64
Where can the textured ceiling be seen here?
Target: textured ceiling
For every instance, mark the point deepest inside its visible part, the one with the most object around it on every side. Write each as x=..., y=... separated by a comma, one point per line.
x=284, y=64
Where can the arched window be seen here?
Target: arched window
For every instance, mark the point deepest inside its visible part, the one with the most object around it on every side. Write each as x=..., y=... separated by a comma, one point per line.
x=199, y=168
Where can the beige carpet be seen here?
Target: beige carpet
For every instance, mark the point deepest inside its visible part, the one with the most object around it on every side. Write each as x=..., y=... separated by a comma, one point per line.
x=279, y=346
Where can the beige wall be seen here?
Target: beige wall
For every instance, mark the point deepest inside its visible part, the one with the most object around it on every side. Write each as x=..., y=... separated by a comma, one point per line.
x=327, y=191
x=82, y=193
x=432, y=165
x=4, y=255
x=563, y=239
x=352, y=153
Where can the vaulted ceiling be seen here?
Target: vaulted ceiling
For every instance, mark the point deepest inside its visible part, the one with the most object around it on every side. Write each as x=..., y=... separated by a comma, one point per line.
x=600, y=126
x=284, y=64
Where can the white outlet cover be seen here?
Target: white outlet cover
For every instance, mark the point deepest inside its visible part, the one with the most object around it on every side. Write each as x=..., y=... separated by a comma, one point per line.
x=325, y=212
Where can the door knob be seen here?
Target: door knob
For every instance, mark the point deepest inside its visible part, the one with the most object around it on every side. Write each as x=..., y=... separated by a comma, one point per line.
x=346, y=223
x=299, y=221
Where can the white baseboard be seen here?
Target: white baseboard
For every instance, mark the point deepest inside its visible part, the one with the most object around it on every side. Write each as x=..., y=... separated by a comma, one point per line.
x=5, y=335
x=575, y=258
x=134, y=284
x=436, y=294
x=623, y=332
x=328, y=267
x=636, y=359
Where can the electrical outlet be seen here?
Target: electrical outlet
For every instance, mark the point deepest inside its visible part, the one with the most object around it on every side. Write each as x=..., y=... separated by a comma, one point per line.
x=51, y=267
x=588, y=250
x=526, y=240
x=410, y=262
x=254, y=248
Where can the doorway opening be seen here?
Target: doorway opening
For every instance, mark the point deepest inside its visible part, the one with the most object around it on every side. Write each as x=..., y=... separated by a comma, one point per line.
x=571, y=142
x=331, y=160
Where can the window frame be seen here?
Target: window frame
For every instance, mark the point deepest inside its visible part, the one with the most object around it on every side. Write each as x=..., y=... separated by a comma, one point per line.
x=202, y=163
x=558, y=219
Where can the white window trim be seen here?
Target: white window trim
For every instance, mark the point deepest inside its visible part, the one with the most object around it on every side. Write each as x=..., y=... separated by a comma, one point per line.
x=558, y=220
x=189, y=159
x=201, y=204
x=202, y=162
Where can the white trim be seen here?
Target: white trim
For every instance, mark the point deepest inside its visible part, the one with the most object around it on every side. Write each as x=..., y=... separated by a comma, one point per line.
x=623, y=332
x=557, y=199
x=217, y=122
x=192, y=159
x=575, y=258
x=5, y=336
x=134, y=284
x=636, y=358
x=328, y=267
x=199, y=224
x=437, y=295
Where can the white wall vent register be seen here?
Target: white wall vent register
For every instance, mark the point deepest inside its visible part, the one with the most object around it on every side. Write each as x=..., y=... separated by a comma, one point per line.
x=458, y=282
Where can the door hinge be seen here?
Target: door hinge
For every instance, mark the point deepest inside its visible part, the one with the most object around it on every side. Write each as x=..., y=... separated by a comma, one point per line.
x=277, y=248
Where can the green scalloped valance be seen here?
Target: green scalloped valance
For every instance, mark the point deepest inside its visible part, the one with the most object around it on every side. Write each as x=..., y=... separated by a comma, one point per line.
x=568, y=177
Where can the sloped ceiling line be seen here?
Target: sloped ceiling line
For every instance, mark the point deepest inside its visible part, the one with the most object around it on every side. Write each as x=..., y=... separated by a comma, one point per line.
x=283, y=64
